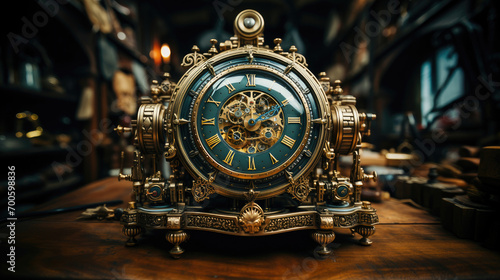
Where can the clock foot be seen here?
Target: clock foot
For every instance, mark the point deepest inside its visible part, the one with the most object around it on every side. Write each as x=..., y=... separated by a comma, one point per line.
x=323, y=238
x=176, y=238
x=131, y=232
x=365, y=232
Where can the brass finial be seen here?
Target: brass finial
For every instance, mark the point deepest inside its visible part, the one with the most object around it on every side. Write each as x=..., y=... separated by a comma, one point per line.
x=166, y=86
x=155, y=90
x=213, y=49
x=338, y=90
x=324, y=77
x=277, y=48
x=195, y=48
x=293, y=49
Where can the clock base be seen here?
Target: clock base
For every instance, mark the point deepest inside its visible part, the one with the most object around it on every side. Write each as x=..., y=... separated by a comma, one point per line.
x=252, y=221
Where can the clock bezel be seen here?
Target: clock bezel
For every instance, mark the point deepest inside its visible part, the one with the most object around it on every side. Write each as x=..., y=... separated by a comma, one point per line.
x=199, y=69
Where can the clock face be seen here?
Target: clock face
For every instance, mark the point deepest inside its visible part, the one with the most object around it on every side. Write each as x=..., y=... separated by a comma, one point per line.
x=249, y=123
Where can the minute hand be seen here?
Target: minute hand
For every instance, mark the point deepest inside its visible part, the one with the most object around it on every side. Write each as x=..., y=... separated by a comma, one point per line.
x=272, y=112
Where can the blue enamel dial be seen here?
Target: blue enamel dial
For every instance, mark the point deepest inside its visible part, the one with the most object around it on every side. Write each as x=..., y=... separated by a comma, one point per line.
x=250, y=123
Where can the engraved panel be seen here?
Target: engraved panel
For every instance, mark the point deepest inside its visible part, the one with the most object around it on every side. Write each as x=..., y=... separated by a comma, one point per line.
x=289, y=222
x=368, y=218
x=151, y=220
x=219, y=223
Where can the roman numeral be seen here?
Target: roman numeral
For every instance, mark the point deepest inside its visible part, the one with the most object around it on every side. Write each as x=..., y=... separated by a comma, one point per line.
x=273, y=159
x=207, y=121
x=284, y=102
x=251, y=163
x=251, y=80
x=211, y=100
x=213, y=141
x=294, y=120
x=287, y=141
x=229, y=157
x=230, y=88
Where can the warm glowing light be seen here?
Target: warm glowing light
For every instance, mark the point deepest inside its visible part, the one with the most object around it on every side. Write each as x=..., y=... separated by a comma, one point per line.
x=165, y=51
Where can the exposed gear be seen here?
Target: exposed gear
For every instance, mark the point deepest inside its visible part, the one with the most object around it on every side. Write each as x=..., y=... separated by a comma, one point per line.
x=236, y=136
x=241, y=127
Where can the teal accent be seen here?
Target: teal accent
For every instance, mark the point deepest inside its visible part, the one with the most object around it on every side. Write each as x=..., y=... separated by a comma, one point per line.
x=342, y=191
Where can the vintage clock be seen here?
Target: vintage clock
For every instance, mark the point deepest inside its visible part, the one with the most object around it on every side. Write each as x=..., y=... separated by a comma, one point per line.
x=246, y=143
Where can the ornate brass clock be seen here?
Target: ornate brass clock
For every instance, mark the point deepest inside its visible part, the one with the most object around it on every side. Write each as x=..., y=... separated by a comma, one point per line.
x=252, y=139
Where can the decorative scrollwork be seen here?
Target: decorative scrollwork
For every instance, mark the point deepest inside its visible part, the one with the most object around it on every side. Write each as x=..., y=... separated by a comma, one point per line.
x=296, y=57
x=368, y=218
x=284, y=223
x=326, y=222
x=150, y=221
x=346, y=220
x=127, y=218
x=170, y=151
x=211, y=222
x=192, y=58
x=202, y=189
x=251, y=218
x=299, y=189
x=329, y=152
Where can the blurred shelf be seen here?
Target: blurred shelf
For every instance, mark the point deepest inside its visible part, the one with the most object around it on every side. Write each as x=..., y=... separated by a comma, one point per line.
x=33, y=151
x=402, y=37
x=18, y=92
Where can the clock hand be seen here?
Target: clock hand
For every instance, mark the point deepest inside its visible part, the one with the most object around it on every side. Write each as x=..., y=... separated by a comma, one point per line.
x=272, y=112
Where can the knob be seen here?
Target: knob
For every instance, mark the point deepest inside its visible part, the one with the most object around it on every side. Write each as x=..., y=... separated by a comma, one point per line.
x=372, y=176
x=120, y=130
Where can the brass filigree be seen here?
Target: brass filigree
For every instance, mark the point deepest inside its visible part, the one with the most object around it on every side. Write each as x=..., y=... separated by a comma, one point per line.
x=290, y=222
x=202, y=189
x=299, y=189
x=204, y=221
x=296, y=57
x=193, y=58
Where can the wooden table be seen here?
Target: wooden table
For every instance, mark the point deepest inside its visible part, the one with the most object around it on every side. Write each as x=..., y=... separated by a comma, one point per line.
x=409, y=243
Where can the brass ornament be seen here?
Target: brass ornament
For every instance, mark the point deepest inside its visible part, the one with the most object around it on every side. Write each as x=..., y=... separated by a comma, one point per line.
x=299, y=189
x=202, y=189
x=246, y=124
x=251, y=218
x=193, y=58
x=296, y=57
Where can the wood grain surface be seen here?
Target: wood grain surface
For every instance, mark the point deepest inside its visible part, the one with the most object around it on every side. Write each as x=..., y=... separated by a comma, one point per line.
x=409, y=243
